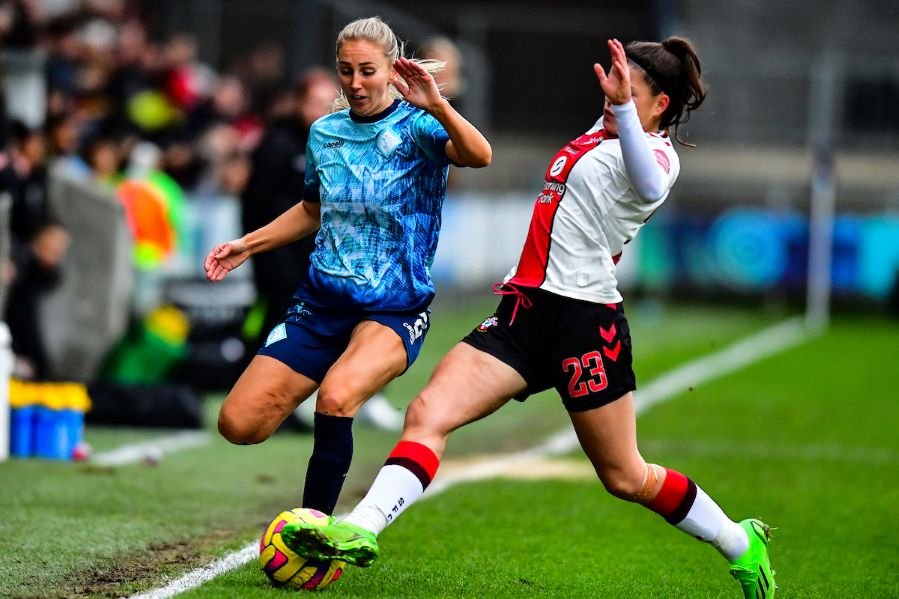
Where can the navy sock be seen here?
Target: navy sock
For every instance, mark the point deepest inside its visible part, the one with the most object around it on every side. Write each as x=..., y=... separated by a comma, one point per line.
x=332, y=452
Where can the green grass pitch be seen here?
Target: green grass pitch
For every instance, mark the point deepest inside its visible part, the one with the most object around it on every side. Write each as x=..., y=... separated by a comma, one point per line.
x=805, y=439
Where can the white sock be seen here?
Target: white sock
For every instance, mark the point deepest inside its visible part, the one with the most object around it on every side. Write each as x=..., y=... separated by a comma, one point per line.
x=395, y=489
x=708, y=522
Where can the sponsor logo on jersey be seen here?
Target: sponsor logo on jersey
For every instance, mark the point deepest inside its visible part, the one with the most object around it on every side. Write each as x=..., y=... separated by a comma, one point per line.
x=334, y=144
x=299, y=310
x=277, y=334
x=532, y=266
x=488, y=322
x=662, y=159
x=551, y=191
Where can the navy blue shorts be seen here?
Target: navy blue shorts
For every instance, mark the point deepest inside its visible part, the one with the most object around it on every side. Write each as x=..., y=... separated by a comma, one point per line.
x=312, y=336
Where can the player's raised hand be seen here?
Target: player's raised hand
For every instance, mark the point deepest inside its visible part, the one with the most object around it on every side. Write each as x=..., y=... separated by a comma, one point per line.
x=616, y=85
x=224, y=258
x=416, y=84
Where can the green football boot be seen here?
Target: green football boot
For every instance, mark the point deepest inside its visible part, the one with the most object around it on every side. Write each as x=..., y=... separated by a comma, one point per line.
x=753, y=568
x=341, y=540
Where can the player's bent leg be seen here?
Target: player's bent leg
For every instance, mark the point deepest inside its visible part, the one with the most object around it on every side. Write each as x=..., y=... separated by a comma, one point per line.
x=467, y=385
x=608, y=436
x=265, y=394
x=374, y=356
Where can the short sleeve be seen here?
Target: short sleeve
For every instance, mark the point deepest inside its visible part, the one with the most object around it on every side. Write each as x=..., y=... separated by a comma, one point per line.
x=431, y=137
x=311, y=184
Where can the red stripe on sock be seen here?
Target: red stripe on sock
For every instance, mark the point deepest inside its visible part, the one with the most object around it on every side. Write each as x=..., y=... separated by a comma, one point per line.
x=418, y=453
x=672, y=493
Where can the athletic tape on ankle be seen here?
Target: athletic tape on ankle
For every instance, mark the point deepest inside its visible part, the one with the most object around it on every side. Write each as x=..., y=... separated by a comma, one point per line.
x=417, y=459
x=647, y=490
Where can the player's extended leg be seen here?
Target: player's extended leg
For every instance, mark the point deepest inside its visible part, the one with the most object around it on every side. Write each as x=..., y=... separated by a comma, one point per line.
x=608, y=435
x=467, y=385
x=375, y=356
x=264, y=395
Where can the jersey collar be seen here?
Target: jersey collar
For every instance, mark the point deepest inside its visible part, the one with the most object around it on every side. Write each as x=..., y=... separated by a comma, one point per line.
x=375, y=117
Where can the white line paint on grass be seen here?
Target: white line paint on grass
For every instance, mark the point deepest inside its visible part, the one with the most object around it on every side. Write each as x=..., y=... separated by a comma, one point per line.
x=741, y=354
x=152, y=449
x=730, y=359
x=752, y=349
x=191, y=580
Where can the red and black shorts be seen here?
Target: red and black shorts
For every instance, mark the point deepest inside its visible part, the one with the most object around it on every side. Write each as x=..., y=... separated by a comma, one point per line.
x=583, y=349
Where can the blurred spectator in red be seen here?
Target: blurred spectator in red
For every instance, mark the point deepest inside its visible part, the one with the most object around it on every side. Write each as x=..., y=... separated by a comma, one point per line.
x=187, y=82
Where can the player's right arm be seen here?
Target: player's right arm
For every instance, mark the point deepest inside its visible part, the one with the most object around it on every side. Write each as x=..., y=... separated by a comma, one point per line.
x=297, y=222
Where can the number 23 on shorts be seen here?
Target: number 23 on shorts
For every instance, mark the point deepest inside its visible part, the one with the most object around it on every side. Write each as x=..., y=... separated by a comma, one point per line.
x=596, y=379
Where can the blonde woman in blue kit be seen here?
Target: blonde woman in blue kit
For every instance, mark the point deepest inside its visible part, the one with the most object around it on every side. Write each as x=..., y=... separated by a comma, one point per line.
x=375, y=185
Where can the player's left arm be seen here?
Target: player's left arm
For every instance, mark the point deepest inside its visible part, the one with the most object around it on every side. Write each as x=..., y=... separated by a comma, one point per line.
x=647, y=170
x=466, y=146
x=649, y=173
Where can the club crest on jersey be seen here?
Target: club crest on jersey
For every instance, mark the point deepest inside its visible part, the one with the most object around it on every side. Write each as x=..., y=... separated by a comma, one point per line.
x=278, y=333
x=488, y=322
x=662, y=159
x=387, y=142
x=558, y=166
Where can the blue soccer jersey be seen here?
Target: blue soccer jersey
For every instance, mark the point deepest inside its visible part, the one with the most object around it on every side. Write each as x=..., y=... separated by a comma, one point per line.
x=381, y=182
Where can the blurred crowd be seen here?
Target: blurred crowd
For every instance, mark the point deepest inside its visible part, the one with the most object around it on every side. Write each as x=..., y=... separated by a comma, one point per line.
x=119, y=101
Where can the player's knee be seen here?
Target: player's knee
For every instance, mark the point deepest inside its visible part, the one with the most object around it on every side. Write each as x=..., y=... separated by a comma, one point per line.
x=239, y=429
x=424, y=417
x=416, y=414
x=338, y=400
x=622, y=483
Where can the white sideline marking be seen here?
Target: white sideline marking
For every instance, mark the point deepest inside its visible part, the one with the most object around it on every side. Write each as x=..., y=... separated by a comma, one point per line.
x=151, y=449
x=738, y=355
x=197, y=577
x=730, y=359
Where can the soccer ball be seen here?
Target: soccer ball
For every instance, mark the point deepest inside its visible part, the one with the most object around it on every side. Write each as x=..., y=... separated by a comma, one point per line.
x=284, y=567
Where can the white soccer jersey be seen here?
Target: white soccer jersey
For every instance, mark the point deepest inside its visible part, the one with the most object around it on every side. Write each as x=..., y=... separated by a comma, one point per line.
x=587, y=212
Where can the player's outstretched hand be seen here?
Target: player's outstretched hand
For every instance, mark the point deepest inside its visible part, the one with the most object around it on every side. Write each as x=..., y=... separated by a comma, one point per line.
x=416, y=84
x=224, y=258
x=616, y=85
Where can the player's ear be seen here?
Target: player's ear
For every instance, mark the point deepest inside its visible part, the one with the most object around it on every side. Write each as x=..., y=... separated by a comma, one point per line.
x=395, y=77
x=663, y=100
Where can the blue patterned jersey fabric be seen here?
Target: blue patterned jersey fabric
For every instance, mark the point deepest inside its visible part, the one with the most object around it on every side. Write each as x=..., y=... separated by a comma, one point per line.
x=381, y=182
